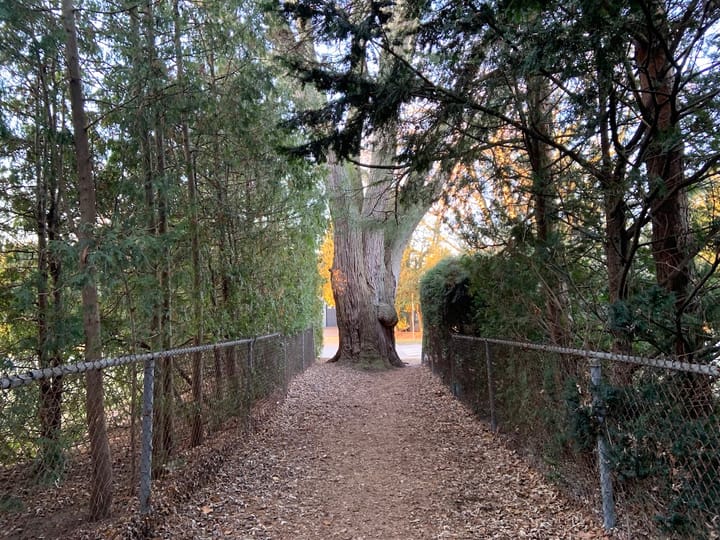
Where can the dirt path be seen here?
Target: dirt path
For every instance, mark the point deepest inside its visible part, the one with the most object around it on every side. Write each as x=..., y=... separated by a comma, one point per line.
x=391, y=455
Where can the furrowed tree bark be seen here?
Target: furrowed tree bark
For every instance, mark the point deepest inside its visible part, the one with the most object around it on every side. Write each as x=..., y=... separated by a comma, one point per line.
x=380, y=214
x=371, y=229
x=347, y=275
x=363, y=337
x=101, y=489
x=671, y=236
x=372, y=224
x=365, y=304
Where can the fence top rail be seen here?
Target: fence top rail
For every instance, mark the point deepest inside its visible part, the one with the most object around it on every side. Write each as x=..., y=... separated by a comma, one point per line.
x=660, y=362
x=13, y=381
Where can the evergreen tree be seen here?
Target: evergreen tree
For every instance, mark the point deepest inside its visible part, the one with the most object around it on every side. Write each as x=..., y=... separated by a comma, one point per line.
x=569, y=85
x=374, y=204
x=101, y=495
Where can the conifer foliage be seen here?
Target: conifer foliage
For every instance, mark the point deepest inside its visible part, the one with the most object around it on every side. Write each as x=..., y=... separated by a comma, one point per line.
x=587, y=133
x=147, y=203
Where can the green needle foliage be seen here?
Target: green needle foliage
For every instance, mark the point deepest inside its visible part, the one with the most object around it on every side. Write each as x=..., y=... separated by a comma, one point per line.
x=258, y=215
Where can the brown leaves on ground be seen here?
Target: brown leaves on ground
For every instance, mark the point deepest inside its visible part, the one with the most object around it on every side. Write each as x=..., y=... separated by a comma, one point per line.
x=355, y=455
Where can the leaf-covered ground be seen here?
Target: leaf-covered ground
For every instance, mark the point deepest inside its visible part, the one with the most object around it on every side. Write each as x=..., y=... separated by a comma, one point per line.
x=388, y=455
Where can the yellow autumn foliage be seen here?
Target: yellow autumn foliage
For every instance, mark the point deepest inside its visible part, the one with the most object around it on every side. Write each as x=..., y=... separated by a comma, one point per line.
x=325, y=262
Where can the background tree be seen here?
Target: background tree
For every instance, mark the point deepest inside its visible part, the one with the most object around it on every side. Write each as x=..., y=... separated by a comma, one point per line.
x=157, y=118
x=429, y=245
x=101, y=496
x=325, y=260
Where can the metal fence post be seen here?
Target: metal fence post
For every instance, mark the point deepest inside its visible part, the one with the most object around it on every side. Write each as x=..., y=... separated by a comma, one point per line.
x=456, y=383
x=453, y=385
x=286, y=365
x=313, y=348
x=606, y=487
x=311, y=355
x=147, y=436
x=491, y=386
x=303, y=351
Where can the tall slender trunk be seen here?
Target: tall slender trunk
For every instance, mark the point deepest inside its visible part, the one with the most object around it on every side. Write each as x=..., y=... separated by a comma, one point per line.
x=617, y=235
x=49, y=462
x=50, y=305
x=197, y=293
x=54, y=402
x=164, y=432
x=664, y=161
x=101, y=492
x=151, y=130
x=671, y=236
x=144, y=50
x=540, y=154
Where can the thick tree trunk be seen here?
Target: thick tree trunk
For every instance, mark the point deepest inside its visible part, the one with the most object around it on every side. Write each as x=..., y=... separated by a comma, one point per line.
x=371, y=225
x=101, y=493
x=671, y=234
x=371, y=231
x=363, y=338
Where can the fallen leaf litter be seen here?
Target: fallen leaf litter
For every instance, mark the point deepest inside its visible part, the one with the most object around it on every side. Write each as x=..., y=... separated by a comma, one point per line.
x=382, y=455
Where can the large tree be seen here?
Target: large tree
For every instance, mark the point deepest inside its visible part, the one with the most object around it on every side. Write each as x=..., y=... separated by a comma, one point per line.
x=596, y=101
x=375, y=204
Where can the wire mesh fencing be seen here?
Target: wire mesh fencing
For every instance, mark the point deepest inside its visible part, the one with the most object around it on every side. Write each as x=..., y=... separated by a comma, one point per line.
x=186, y=397
x=636, y=439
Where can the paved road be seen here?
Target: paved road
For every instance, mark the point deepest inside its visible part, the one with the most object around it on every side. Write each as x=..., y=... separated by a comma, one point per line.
x=408, y=352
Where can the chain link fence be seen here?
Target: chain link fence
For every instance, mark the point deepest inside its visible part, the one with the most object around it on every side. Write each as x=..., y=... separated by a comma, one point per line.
x=197, y=392
x=636, y=439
